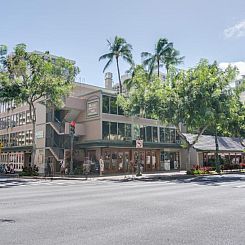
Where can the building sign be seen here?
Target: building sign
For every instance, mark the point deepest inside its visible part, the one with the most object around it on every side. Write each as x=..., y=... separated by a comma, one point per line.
x=93, y=108
x=39, y=134
x=139, y=143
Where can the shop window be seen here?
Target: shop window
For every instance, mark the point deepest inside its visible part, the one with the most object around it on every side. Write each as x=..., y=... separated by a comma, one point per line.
x=155, y=134
x=114, y=160
x=106, y=104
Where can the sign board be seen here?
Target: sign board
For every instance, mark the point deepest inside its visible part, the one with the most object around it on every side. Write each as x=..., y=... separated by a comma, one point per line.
x=39, y=134
x=93, y=108
x=139, y=143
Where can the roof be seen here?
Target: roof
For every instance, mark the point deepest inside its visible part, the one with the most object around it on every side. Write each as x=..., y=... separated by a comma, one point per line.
x=207, y=143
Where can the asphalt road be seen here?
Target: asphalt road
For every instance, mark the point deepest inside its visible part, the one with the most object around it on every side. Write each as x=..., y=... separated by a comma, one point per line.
x=209, y=210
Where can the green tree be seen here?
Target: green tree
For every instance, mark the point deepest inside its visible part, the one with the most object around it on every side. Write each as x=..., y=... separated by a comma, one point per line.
x=156, y=60
x=119, y=48
x=172, y=58
x=32, y=78
x=196, y=99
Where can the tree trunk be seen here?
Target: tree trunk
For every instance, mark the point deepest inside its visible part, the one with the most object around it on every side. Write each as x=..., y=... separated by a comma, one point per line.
x=119, y=77
x=33, y=120
x=158, y=68
x=217, y=164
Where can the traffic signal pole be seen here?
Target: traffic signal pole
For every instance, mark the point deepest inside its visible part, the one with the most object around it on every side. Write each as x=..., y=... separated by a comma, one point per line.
x=71, y=162
x=72, y=132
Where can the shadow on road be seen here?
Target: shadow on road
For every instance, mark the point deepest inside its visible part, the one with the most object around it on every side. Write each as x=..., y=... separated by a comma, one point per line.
x=216, y=180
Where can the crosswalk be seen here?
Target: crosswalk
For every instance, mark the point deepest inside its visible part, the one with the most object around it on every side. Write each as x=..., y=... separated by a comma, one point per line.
x=5, y=183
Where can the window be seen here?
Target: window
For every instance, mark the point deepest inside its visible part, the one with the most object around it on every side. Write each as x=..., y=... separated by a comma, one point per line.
x=105, y=130
x=120, y=110
x=155, y=134
x=121, y=131
x=128, y=133
x=167, y=135
x=113, y=131
x=162, y=135
x=113, y=105
x=172, y=135
x=106, y=104
x=142, y=132
x=149, y=133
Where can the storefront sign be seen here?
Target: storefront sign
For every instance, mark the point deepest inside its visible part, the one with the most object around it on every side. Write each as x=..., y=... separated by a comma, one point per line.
x=93, y=108
x=39, y=135
x=139, y=143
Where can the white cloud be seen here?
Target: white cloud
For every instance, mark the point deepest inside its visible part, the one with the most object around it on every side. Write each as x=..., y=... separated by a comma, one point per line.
x=237, y=30
x=240, y=66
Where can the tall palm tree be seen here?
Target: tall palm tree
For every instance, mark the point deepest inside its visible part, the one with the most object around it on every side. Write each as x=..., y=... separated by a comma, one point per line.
x=171, y=58
x=155, y=61
x=118, y=48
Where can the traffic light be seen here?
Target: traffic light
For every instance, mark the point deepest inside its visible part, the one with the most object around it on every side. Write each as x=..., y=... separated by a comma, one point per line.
x=72, y=127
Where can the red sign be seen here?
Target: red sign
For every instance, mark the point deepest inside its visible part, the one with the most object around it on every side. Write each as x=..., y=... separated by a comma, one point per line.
x=139, y=143
x=73, y=123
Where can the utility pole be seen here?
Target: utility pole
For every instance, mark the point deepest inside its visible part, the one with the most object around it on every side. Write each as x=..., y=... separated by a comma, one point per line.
x=72, y=133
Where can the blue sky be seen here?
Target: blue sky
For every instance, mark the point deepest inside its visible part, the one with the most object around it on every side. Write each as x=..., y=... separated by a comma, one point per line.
x=78, y=29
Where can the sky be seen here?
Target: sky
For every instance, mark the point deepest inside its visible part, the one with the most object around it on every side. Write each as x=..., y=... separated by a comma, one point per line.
x=78, y=30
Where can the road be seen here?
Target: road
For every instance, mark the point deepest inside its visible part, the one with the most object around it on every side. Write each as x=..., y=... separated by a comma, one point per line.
x=208, y=210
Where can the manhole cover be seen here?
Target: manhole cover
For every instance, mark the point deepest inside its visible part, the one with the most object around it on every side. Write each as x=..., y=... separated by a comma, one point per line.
x=7, y=220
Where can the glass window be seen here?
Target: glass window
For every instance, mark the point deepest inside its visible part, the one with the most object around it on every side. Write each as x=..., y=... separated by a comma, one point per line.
x=162, y=135
x=120, y=110
x=106, y=103
x=167, y=135
x=121, y=131
x=154, y=134
x=113, y=105
x=149, y=133
x=128, y=133
x=113, y=131
x=172, y=135
x=142, y=132
x=105, y=130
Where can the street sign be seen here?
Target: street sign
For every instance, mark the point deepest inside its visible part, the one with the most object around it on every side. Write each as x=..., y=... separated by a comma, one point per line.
x=139, y=143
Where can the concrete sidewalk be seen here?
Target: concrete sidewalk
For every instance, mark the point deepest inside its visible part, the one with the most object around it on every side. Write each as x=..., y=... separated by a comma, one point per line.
x=167, y=175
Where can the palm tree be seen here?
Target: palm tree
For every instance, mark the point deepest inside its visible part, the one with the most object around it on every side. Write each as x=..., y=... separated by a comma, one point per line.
x=119, y=48
x=172, y=58
x=155, y=61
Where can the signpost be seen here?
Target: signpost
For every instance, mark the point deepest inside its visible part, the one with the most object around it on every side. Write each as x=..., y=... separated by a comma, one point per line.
x=139, y=143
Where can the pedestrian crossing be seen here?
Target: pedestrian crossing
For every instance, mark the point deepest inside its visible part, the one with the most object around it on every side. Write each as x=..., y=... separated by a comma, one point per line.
x=131, y=183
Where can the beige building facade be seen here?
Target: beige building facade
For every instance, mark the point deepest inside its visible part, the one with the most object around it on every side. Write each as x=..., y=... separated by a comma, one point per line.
x=102, y=130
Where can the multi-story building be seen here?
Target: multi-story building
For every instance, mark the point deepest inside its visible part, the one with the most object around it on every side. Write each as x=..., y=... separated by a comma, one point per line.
x=102, y=130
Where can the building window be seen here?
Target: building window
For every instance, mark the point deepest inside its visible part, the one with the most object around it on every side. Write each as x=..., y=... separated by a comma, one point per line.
x=142, y=132
x=154, y=134
x=106, y=104
x=113, y=105
x=121, y=131
x=113, y=131
x=162, y=135
x=128, y=133
x=172, y=135
x=149, y=134
x=167, y=135
x=105, y=130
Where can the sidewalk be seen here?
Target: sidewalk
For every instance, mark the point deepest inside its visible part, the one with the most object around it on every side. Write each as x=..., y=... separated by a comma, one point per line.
x=122, y=177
